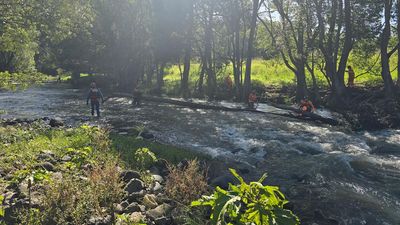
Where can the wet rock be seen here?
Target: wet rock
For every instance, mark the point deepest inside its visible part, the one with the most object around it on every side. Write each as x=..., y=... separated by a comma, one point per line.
x=150, y=201
x=56, y=122
x=47, y=166
x=134, y=185
x=159, y=211
x=134, y=207
x=128, y=175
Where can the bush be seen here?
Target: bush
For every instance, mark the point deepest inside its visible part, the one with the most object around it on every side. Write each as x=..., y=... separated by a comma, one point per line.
x=186, y=184
x=246, y=204
x=144, y=158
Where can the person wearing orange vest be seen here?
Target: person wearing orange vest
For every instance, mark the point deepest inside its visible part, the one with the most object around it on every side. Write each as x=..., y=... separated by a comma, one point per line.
x=352, y=77
x=306, y=106
x=252, y=100
x=94, y=96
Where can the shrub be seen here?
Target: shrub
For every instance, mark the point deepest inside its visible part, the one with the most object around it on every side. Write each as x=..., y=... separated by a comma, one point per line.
x=246, y=204
x=144, y=158
x=186, y=184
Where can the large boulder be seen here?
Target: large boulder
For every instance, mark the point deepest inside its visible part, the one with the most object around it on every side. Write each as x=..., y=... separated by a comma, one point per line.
x=134, y=185
x=128, y=175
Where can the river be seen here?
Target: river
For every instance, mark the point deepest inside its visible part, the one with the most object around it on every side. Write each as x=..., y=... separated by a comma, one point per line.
x=331, y=175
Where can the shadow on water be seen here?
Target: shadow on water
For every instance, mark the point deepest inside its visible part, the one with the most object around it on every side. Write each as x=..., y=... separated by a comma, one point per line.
x=331, y=176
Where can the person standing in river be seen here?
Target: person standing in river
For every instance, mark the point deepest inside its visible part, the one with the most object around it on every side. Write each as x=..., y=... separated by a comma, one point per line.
x=94, y=96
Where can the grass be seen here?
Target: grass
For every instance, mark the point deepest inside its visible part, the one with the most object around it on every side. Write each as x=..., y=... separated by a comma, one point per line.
x=274, y=73
x=126, y=146
x=90, y=183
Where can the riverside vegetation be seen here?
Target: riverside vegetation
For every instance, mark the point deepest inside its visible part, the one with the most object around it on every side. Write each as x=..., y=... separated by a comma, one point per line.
x=51, y=174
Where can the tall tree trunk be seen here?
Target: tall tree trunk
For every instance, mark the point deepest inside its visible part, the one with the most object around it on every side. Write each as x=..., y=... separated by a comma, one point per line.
x=347, y=47
x=398, y=46
x=385, y=38
x=160, y=77
x=188, y=52
x=301, y=91
x=253, y=25
x=211, y=84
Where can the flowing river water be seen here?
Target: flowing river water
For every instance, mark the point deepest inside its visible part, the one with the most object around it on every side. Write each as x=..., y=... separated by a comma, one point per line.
x=331, y=175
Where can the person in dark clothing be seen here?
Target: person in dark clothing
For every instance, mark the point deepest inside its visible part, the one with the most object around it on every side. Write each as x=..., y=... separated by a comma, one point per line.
x=94, y=96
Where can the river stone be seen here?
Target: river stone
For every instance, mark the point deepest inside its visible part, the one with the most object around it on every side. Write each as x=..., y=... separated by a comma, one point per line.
x=159, y=211
x=135, y=196
x=128, y=175
x=134, y=185
x=150, y=201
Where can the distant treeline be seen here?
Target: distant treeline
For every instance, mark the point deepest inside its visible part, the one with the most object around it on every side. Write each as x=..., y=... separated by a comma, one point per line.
x=133, y=41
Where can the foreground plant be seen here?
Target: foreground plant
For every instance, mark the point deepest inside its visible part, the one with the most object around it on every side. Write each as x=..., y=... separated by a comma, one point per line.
x=248, y=204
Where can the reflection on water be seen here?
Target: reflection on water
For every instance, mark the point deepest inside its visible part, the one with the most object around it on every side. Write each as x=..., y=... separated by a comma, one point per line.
x=329, y=174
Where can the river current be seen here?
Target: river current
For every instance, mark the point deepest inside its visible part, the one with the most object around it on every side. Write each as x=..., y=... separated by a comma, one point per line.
x=331, y=175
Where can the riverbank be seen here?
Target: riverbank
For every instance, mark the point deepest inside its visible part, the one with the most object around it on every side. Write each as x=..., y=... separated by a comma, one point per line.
x=51, y=174
x=365, y=108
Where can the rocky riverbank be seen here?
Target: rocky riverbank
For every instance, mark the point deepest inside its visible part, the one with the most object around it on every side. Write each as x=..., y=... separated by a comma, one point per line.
x=51, y=174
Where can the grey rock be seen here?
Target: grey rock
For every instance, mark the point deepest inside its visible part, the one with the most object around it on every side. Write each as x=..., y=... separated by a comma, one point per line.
x=157, y=187
x=66, y=158
x=158, y=178
x=150, y=201
x=128, y=175
x=163, y=221
x=135, y=196
x=135, y=185
x=159, y=211
x=223, y=181
x=133, y=207
x=124, y=204
x=47, y=166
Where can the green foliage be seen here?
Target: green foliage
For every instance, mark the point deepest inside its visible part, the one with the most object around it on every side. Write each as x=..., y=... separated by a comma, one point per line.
x=1, y=206
x=144, y=158
x=14, y=81
x=123, y=145
x=248, y=204
x=124, y=219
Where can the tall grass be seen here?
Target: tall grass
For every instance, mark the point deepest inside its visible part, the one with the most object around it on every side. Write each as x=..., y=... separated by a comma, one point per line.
x=275, y=73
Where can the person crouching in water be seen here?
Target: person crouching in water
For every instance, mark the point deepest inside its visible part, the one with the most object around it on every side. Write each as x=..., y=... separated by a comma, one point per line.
x=94, y=96
x=306, y=106
x=252, y=100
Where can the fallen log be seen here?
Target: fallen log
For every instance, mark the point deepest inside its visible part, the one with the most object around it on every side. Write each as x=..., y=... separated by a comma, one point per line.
x=296, y=112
